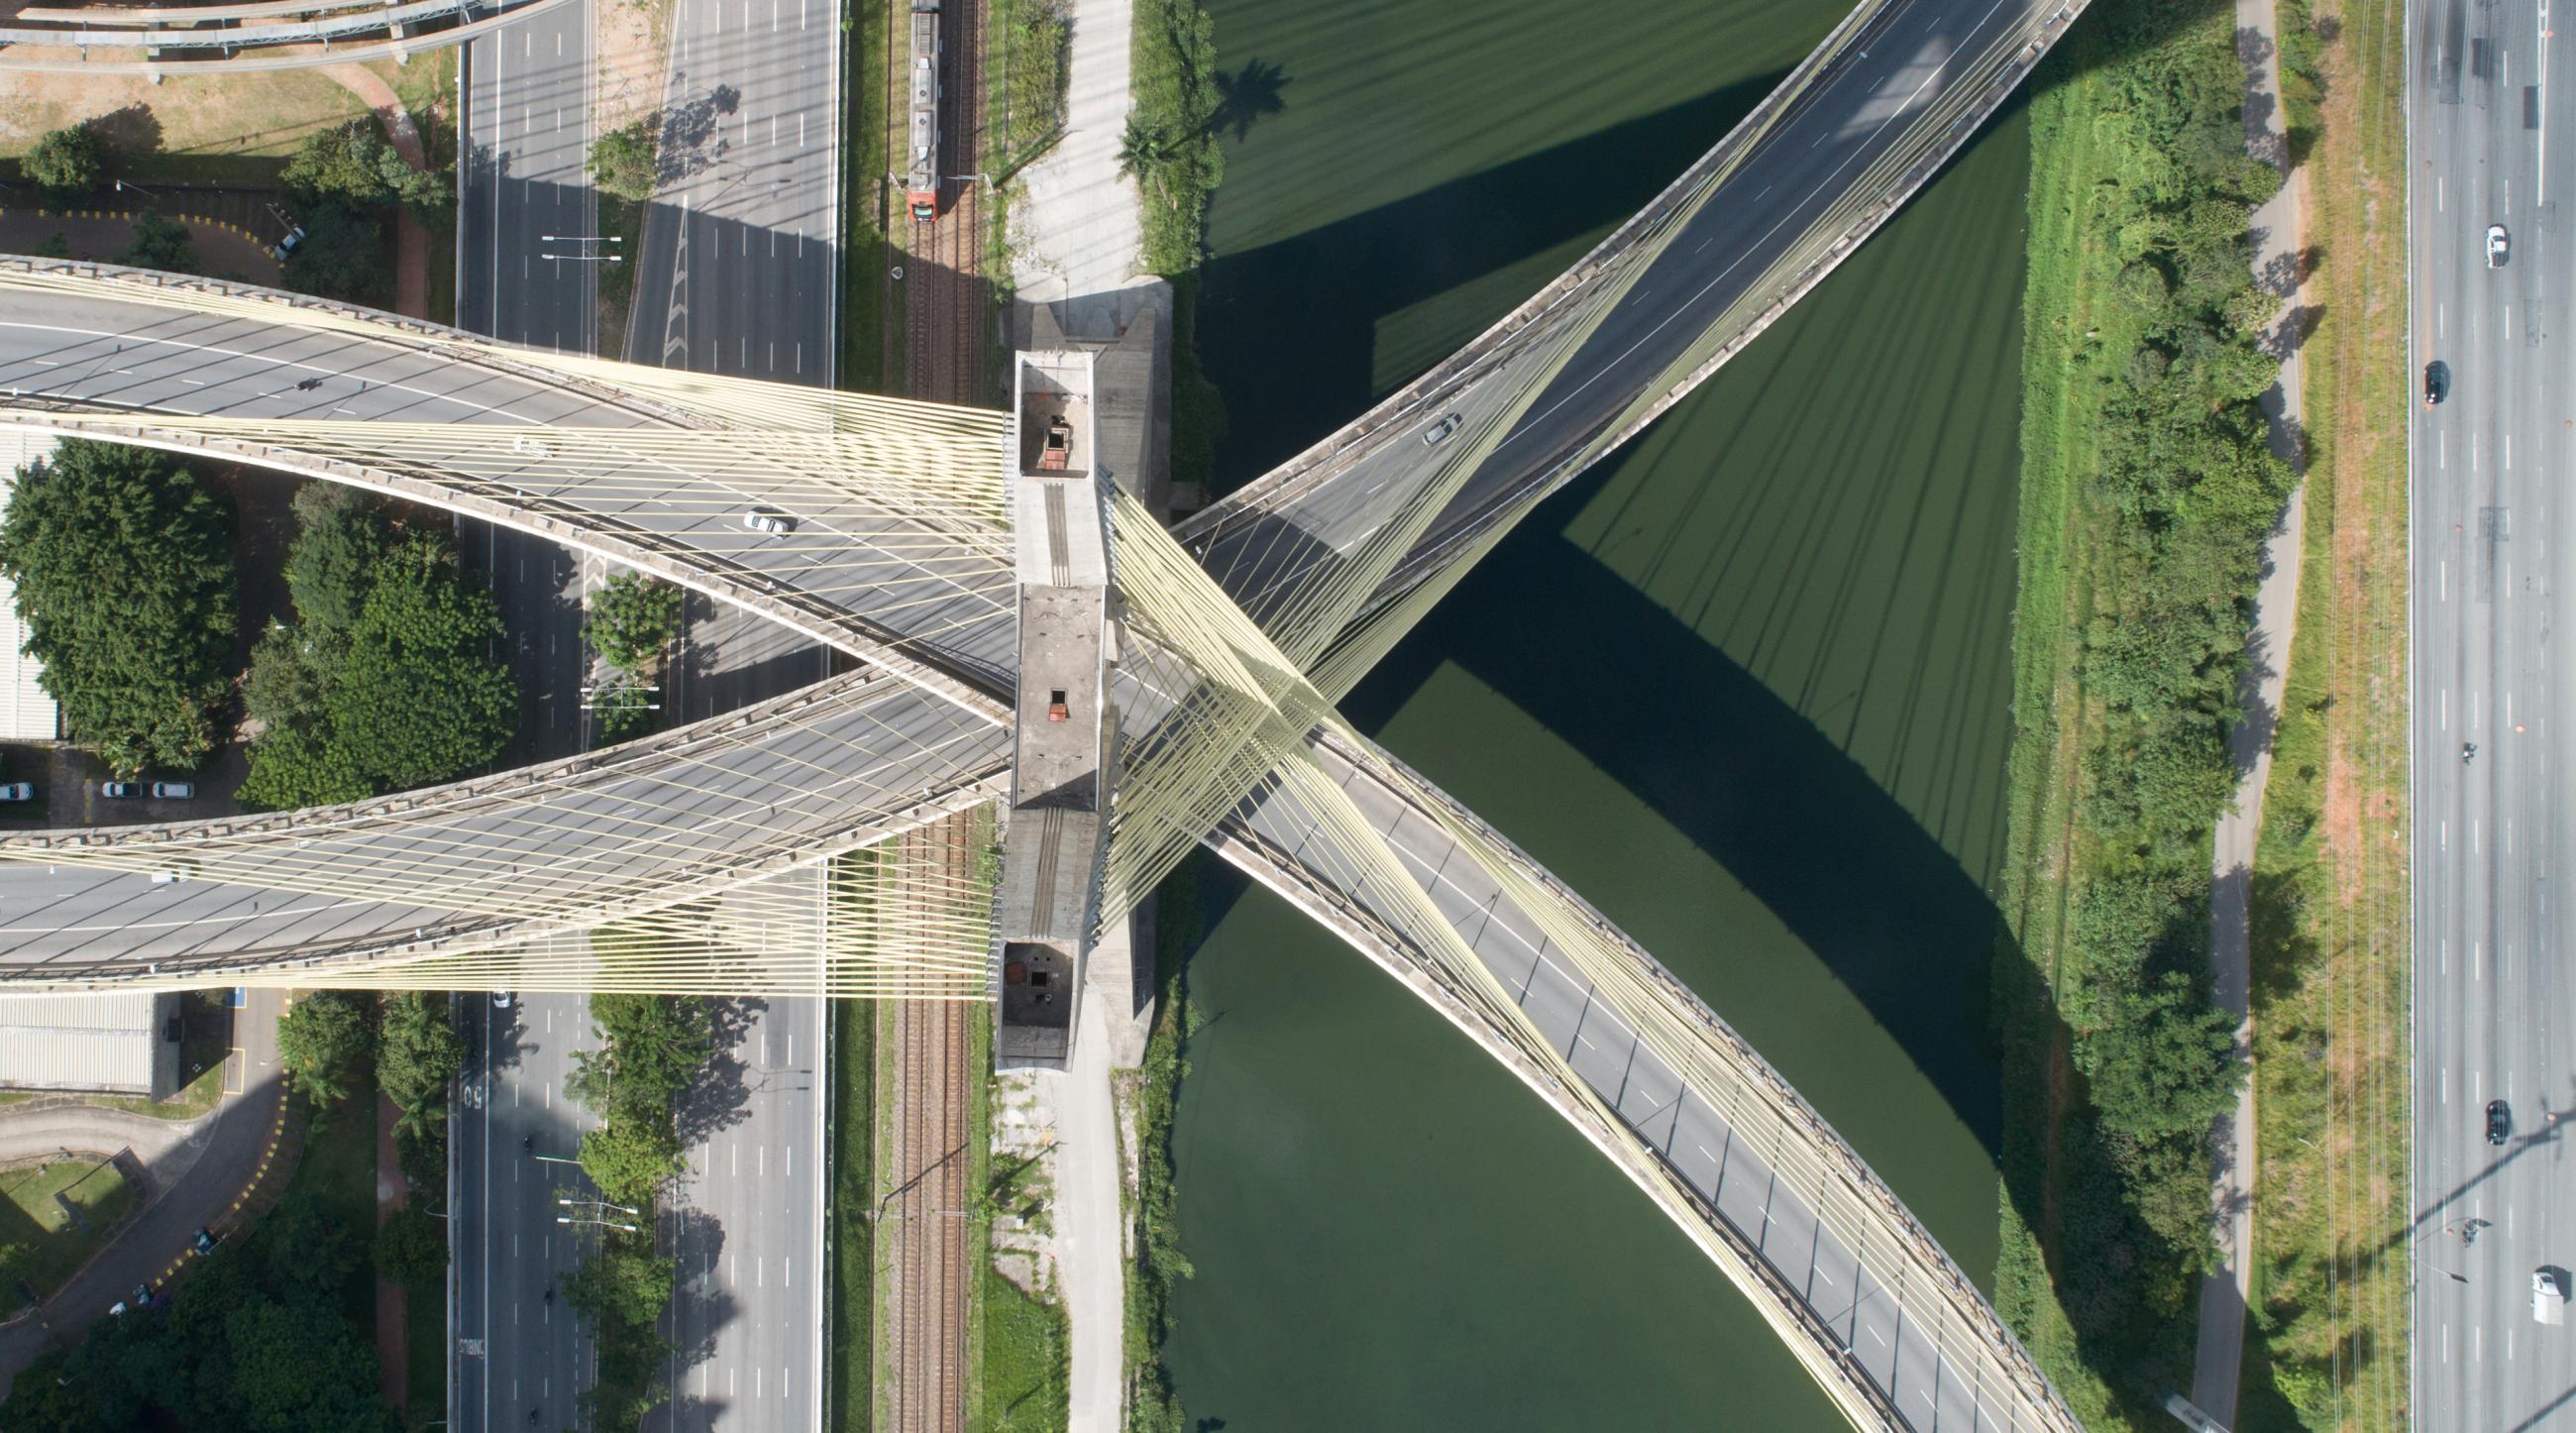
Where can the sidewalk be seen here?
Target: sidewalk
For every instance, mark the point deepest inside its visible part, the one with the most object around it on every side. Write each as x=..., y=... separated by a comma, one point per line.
x=220, y=1166
x=1078, y=234
x=411, y=241
x=2280, y=231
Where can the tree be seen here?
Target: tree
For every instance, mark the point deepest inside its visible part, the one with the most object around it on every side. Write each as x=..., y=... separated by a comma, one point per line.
x=420, y=699
x=124, y=570
x=652, y=1047
x=292, y=767
x=630, y=1159
x=633, y=620
x=341, y=535
x=411, y=1248
x=318, y=1039
x=418, y=1051
x=1143, y=149
x=626, y=162
x=620, y=1290
x=2166, y=1064
x=355, y=165
x=67, y=162
x=160, y=244
x=342, y=256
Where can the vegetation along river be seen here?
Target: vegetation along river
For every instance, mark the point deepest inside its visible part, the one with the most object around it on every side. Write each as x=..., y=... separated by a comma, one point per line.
x=1745, y=686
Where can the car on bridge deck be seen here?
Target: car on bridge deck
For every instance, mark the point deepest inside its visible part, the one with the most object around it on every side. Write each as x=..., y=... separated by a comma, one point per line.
x=2437, y=382
x=2499, y=246
x=2499, y=1121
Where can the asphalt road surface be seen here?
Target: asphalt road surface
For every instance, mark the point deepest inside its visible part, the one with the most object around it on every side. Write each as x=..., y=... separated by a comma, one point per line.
x=740, y=271
x=517, y=1132
x=526, y=214
x=2487, y=97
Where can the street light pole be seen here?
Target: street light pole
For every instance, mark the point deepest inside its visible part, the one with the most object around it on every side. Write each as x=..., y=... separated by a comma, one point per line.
x=603, y=1223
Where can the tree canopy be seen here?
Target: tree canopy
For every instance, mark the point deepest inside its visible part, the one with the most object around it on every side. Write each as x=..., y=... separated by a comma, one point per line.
x=342, y=256
x=421, y=699
x=418, y=1050
x=411, y=1248
x=626, y=161
x=124, y=570
x=160, y=244
x=67, y=162
x=358, y=166
x=633, y=619
x=320, y=1038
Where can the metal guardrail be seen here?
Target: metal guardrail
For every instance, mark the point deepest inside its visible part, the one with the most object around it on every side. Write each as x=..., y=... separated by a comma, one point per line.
x=391, y=20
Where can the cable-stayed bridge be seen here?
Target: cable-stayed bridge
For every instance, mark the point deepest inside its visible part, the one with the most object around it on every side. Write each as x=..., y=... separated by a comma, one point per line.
x=751, y=852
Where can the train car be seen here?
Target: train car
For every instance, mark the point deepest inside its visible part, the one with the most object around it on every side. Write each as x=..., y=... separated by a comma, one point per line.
x=921, y=172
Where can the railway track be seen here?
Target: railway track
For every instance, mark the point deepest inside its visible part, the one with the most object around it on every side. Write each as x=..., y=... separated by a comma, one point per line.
x=941, y=350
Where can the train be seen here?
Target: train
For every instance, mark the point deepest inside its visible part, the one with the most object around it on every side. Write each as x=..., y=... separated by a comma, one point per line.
x=921, y=173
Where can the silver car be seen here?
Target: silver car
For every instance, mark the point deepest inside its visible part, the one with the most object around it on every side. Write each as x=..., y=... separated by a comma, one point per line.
x=770, y=521
x=2499, y=246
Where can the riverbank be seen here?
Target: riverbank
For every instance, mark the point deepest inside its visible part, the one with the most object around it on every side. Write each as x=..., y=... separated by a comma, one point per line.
x=2326, y=1345
x=2147, y=490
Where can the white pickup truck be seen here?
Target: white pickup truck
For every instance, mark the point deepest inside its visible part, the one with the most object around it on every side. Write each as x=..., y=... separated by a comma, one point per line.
x=2548, y=1297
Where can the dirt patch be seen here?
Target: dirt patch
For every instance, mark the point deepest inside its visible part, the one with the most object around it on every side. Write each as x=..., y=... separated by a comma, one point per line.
x=633, y=43
x=248, y=115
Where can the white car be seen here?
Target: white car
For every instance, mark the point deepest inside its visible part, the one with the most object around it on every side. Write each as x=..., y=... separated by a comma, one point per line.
x=17, y=791
x=770, y=521
x=2498, y=246
x=500, y=1000
x=173, y=790
x=1438, y=433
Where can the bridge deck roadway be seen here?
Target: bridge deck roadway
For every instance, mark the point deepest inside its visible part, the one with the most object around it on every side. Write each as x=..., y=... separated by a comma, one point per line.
x=1896, y=89
x=848, y=557
x=821, y=770
x=1878, y=1314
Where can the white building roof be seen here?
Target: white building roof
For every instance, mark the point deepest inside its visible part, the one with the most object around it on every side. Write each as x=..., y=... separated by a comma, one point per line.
x=82, y=1042
x=26, y=713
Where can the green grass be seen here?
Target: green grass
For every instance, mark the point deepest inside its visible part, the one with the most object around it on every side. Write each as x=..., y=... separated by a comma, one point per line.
x=625, y=219
x=862, y=365
x=854, y=1056
x=1180, y=924
x=2326, y=1346
x=39, y=1242
x=425, y=1353
x=1021, y=1384
x=1173, y=81
x=338, y=1169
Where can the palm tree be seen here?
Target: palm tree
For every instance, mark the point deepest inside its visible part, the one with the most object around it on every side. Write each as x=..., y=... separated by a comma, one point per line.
x=1143, y=149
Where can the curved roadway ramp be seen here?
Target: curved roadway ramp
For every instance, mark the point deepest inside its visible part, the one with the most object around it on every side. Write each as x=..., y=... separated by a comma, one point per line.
x=703, y=846
x=1857, y=1289
x=1340, y=549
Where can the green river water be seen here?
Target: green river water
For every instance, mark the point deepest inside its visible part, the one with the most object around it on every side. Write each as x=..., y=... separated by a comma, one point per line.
x=1745, y=686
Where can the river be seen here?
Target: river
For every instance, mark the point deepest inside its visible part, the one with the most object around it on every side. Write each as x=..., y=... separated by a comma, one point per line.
x=1745, y=686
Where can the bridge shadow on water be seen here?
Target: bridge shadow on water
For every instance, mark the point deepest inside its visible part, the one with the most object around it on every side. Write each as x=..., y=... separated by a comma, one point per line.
x=1746, y=777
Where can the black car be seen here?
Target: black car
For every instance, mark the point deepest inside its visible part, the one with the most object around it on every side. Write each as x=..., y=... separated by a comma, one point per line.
x=2437, y=382
x=2499, y=1121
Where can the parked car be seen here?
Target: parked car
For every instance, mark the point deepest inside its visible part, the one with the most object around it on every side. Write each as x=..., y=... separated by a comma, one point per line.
x=120, y=790
x=2437, y=382
x=17, y=791
x=2499, y=246
x=770, y=521
x=173, y=790
x=285, y=247
x=2499, y=1121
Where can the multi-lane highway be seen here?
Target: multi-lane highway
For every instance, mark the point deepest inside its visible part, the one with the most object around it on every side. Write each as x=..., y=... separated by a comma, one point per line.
x=516, y=1135
x=2487, y=96
x=741, y=270
x=740, y=275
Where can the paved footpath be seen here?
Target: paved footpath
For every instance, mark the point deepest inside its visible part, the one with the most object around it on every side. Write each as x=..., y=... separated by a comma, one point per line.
x=1078, y=234
x=200, y=1170
x=2280, y=230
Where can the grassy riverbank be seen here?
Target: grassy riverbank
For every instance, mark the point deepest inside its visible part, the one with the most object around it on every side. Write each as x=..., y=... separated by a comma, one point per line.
x=2327, y=1343
x=2147, y=489
x=853, y=1178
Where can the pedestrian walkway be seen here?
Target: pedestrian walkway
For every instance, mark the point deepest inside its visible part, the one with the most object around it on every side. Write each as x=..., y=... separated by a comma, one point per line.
x=216, y=1173
x=411, y=241
x=2280, y=229
x=1077, y=235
